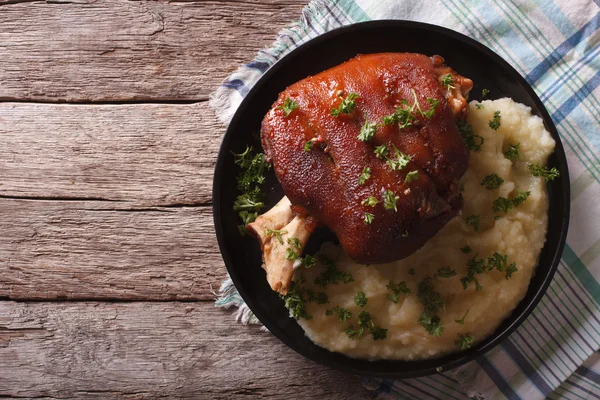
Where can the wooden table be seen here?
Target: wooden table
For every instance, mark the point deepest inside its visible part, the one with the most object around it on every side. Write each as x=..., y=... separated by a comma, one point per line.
x=108, y=259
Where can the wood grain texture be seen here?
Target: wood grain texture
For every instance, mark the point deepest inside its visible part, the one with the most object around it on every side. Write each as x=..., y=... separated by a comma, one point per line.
x=151, y=350
x=108, y=202
x=99, y=250
x=115, y=50
x=145, y=155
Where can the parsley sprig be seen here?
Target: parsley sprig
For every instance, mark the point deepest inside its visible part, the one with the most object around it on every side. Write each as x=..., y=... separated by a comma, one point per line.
x=298, y=297
x=367, y=131
x=396, y=290
x=404, y=115
x=464, y=341
x=361, y=299
x=502, y=204
x=331, y=274
x=400, y=162
x=492, y=181
x=473, y=220
x=513, y=152
x=411, y=176
x=496, y=121
x=390, y=201
x=364, y=176
x=370, y=201
x=366, y=324
x=381, y=151
x=462, y=320
x=249, y=181
x=308, y=261
x=544, y=172
x=347, y=105
x=288, y=106
x=342, y=313
x=497, y=261
x=276, y=233
x=473, y=141
x=448, y=81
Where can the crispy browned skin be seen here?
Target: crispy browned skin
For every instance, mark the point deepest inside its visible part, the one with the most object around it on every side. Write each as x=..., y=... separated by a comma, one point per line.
x=324, y=181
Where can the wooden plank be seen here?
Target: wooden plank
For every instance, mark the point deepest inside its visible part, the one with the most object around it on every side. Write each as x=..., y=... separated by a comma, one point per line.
x=100, y=250
x=149, y=350
x=145, y=155
x=113, y=50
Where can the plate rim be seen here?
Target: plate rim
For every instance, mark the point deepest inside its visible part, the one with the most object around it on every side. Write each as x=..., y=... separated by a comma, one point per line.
x=491, y=341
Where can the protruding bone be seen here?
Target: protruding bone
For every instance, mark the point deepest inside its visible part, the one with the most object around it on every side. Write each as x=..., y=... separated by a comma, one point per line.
x=274, y=219
x=280, y=270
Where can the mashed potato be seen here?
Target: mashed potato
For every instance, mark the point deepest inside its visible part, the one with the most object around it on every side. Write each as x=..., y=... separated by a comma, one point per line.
x=518, y=234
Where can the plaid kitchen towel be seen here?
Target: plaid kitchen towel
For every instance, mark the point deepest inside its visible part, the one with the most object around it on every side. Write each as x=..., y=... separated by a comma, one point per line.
x=555, y=45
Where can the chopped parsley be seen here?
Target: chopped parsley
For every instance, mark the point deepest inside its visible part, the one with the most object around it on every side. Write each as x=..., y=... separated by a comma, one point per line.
x=370, y=201
x=276, y=233
x=381, y=151
x=364, y=176
x=479, y=106
x=291, y=254
x=365, y=323
x=544, y=172
x=367, y=131
x=347, y=105
x=462, y=320
x=411, y=176
x=288, y=106
x=342, y=313
x=251, y=198
x=464, y=341
x=474, y=266
x=513, y=152
x=298, y=297
x=467, y=249
x=495, y=121
x=331, y=274
x=405, y=234
x=402, y=116
x=389, y=201
x=484, y=93
x=247, y=217
x=308, y=146
x=433, y=103
x=308, y=261
x=368, y=218
x=492, y=181
x=396, y=289
x=405, y=116
x=497, y=262
x=360, y=299
x=500, y=263
x=448, y=81
x=294, y=241
x=502, y=204
x=432, y=302
x=473, y=220
x=521, y=197
x=445, y=272
x=473, y=141
x=400, y=162
x=249, y=201
x=411, y=271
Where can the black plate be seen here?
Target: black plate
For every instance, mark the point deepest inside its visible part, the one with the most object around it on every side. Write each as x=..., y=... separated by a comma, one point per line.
x=242, y=256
